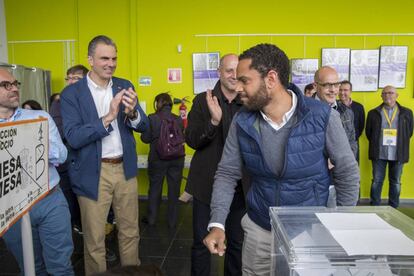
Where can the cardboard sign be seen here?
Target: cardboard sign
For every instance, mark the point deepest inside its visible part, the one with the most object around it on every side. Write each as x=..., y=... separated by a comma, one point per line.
x=24, y=173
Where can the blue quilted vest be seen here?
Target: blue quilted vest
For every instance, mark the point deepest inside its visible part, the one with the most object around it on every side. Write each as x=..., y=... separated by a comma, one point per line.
x=304, y=180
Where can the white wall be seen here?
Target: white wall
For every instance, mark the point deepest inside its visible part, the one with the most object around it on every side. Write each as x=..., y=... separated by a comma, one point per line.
x=3, y=35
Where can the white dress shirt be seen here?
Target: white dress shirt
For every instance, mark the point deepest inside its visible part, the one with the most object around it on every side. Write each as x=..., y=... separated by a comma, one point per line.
x=102, y=96
x=286, y=116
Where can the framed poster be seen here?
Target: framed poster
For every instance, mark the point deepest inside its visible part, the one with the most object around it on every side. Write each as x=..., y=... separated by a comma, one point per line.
x=364, y=70
x=393, y=66
x=337, y=58
x=174, y=75
x=205, y=75
x=303, y=71
x=144, y=81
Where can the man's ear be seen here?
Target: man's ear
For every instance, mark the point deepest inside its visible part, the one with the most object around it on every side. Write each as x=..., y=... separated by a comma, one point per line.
x=271, y=79
x=90, y=61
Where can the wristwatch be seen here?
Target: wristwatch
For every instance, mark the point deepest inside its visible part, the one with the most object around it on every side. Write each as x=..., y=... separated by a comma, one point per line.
x=133, y=115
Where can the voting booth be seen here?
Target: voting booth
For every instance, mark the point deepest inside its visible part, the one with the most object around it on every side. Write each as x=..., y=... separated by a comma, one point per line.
x=342, y=241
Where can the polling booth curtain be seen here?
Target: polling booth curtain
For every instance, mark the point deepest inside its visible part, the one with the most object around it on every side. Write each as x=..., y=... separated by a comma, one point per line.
x=35, y=83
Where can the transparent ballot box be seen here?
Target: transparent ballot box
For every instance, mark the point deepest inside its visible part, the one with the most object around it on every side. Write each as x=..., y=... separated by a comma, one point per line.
x=342, y=241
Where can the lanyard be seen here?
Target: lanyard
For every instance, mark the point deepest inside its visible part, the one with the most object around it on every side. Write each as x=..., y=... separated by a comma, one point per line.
x=392, y=116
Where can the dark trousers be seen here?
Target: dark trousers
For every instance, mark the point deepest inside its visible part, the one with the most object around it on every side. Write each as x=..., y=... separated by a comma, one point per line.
x=157, y=170
x=71, y=198
x=200, y=256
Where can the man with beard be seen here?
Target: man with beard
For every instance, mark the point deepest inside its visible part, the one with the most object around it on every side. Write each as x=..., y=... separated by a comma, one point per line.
x=283, y=139
x=49, y=217
x=208, y=124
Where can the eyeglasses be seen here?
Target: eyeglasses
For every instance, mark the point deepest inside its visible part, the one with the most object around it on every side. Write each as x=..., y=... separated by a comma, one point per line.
x=73, y=78
x=327, y=85
x=387, y=93
x=9, y=85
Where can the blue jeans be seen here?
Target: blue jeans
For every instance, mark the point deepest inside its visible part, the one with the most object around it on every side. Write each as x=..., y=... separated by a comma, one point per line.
x=394, y=179
x=52, y=236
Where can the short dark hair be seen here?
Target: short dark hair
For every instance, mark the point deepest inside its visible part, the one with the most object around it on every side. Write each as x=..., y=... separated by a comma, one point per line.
x=309, y=86
x=161, y=100
x=347, y=82
x=33, y=104
x=103, y=39
x=77, y=68
x=53, y=98
x=266, y=57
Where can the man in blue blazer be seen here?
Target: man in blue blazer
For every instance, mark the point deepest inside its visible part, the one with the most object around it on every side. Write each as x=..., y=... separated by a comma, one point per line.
x=99, y=114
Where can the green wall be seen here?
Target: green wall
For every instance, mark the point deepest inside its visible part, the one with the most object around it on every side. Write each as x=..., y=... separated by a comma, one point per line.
x=147, y=34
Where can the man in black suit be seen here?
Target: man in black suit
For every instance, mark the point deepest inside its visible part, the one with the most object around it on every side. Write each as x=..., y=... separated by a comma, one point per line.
x=345, y=91
x=208, y=124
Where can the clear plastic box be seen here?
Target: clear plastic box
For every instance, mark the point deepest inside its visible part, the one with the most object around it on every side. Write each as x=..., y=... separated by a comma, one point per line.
x=302, y=246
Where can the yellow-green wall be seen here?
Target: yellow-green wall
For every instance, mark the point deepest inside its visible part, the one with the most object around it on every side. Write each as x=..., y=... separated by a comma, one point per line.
x=147, y=34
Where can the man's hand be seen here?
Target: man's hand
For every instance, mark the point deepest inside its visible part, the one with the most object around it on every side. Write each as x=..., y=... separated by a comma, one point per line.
x=129, y=100
x=214, y=108
x=113, y=109
x=214, y=241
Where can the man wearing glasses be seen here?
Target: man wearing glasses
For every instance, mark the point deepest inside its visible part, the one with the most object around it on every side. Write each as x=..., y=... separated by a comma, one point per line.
x=50, y=217
x=389, y=130
x=73, y=74
x=327, y=88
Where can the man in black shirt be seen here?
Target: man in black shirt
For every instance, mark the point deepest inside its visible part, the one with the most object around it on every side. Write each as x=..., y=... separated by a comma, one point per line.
x=208, y=125
x=345, y=91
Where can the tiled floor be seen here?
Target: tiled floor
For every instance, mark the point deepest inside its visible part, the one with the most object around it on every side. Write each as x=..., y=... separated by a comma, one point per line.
x=168, y=249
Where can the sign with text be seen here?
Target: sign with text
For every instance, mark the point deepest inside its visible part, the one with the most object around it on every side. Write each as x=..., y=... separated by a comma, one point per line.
x=24, y=175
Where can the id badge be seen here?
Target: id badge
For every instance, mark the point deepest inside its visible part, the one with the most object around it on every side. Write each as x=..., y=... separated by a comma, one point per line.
x=389, y=137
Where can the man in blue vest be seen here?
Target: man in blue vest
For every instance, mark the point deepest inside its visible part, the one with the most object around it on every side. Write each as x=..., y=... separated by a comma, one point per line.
x=283, y=140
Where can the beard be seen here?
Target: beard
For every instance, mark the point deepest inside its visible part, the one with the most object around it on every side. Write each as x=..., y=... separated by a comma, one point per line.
x=259, y=100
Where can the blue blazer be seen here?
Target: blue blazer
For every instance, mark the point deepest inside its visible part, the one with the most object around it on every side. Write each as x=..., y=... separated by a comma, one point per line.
x=84, y=130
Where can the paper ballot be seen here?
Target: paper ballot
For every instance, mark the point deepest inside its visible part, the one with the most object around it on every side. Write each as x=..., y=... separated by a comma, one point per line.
x=366, y=234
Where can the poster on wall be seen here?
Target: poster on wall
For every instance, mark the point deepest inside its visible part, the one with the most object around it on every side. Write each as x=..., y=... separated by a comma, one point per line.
x=337, y=58
x=144, y=81
x=205, y=75
x=364, y=70
x=174, y=75
x=303, y=70
x=393, y=66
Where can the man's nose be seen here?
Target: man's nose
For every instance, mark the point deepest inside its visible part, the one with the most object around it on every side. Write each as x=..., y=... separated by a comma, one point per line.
x=112, y=63
x=239, y=87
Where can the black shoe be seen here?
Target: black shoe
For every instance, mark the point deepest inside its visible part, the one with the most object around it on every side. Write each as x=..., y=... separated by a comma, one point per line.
x=110, y=255
x=144, y=220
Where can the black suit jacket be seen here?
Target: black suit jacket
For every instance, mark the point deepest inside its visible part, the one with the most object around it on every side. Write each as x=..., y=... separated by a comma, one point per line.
x=359, y=118
x=208, y=141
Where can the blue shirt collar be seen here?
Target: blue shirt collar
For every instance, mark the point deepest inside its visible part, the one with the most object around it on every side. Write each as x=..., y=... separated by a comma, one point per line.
x=16, y=115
